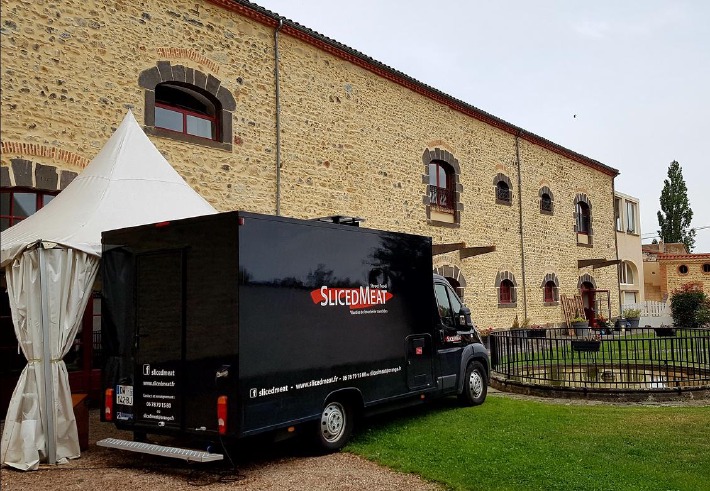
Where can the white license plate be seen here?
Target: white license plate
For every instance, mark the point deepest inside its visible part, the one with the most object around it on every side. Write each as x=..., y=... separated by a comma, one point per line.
x=124, y=395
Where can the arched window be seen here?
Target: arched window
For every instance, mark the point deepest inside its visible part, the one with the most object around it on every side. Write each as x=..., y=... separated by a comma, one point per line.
x=545, y=203
x=186, y=109
x=550, y=292
x=504, y=193
x=583, y=218
x=626, y=273
x=188, y=105
x=441, y=186
x=16, y=204
x=505, y=293
x=442, y=178
x=507, y=289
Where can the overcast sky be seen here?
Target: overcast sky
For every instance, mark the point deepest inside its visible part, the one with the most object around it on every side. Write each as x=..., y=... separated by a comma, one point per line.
x=636, y=74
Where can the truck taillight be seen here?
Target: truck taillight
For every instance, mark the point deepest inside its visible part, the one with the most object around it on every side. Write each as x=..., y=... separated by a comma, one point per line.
x=222, y=414
x=108, y=405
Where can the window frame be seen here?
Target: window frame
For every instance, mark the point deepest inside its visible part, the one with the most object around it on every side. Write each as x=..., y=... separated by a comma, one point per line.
x=13, y=219
x=503, y=192
x=617, y=215
x=185, y=113
x=631, y=210
x=546, y=203
x=549, y=292
x=436, y=191
x=202, y=85
x=584, y=218
x=505, y=292
x=626, y=271
x=438, y=216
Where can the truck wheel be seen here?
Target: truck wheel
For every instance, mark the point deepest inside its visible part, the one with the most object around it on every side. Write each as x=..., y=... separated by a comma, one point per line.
x=335, y=425
x=475, y=387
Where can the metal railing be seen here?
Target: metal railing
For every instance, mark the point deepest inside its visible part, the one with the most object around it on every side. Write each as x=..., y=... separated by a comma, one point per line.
x=503, y=194
x=441, y=199
x=635, y=359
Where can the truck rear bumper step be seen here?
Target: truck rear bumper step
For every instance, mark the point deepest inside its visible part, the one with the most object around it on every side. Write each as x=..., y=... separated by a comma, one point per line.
x=152, y=449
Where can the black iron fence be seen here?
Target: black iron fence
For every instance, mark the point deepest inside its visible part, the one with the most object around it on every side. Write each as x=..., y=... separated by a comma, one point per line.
x=642, y=359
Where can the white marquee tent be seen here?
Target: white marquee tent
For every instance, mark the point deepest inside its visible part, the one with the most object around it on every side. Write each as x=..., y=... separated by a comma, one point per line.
x=51, y=260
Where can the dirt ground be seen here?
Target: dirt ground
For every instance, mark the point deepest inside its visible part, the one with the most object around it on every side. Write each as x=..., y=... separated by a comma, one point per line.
x=258, y=465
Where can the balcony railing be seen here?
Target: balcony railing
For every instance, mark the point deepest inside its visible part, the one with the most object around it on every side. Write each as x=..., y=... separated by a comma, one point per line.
x=503, y=194
x=441, y=199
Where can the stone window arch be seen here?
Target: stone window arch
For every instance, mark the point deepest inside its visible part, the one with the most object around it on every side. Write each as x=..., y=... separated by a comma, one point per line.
x=198, y=97
x=547, y=201
x=550, y=290
x=455, y=278
x=506, y=289
x=442, y=177
x=503, y=189
x=586, y=278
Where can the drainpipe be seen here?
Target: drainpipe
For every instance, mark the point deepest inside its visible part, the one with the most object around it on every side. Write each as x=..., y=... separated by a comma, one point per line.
x=520, y=207
x=278, y=117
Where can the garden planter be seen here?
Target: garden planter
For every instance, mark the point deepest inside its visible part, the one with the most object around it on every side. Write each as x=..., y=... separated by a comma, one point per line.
x=537, y=333
x=633, y=322
x=588, y=345
x=664, y=331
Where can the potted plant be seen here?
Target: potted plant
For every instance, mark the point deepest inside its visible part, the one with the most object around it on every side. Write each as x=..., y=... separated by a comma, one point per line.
x=536, y=331
x=632, y=316
x=589, y=344
x=485, y=333
x=580, y=325
x=515, y=329
x=603, y=325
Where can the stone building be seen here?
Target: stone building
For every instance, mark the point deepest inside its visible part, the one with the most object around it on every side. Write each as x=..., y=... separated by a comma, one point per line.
x=667, y=267
x=259, y=113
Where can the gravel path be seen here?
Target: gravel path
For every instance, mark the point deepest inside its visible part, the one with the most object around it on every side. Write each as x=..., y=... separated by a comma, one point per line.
x=262, y=466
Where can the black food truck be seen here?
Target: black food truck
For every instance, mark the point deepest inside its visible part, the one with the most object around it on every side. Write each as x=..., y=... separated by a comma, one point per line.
x=234, y=324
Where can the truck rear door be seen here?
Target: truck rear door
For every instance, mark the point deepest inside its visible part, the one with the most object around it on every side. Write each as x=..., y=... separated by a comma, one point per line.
x=159, y=339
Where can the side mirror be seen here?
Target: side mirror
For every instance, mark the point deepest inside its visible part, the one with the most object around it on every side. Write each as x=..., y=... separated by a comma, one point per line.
x=464, y=318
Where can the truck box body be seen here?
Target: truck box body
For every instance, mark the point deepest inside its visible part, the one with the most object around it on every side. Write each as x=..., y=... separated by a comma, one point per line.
x=277, y=314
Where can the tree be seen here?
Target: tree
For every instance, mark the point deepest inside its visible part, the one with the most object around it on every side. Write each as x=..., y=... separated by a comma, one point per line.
x=675, y=215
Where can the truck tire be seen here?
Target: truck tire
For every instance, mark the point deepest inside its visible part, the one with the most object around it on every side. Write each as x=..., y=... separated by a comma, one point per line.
x=335, y=425
x=475, y=386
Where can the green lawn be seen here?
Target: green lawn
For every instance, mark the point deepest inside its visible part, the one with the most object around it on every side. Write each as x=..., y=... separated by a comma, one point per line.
x=516, y=444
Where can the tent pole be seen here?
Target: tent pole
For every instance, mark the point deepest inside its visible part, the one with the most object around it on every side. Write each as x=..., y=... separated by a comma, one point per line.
x=51, y=436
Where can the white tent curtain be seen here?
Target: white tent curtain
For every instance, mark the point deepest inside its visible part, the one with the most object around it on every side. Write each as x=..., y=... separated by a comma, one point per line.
x=66, y=279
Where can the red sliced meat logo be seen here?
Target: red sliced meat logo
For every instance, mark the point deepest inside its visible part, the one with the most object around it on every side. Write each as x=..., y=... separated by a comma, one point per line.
x=355, y=298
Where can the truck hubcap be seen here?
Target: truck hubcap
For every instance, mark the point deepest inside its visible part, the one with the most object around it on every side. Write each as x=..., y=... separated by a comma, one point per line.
x=332, y=422
x=475, y=383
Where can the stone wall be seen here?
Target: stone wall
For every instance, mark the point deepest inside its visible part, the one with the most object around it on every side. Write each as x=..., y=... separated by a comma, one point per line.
x=673, y=277
x=351, y=141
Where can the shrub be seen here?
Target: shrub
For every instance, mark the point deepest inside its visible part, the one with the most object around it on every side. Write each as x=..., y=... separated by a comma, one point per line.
x=689, y=306
x=631, y=313
x=702, y=315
